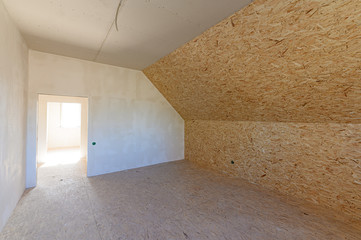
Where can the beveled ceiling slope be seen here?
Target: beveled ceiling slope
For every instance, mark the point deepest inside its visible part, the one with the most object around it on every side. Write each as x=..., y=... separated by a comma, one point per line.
x=148, y=29
x=275, y=60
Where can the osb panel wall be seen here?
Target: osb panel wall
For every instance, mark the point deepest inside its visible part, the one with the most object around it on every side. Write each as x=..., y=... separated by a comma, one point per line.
x=275, y=60
x=294, y=69
x=320, y=163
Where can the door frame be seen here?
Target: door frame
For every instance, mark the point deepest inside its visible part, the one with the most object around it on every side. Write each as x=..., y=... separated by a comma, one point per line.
x=41, y=123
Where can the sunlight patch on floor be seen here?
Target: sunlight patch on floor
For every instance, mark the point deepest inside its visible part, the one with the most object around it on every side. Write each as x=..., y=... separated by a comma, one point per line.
x=61, y=157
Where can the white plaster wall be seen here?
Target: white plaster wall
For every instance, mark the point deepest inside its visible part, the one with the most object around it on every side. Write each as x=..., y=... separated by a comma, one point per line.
x=13, y=90
x=60, y=137
x=131, y=122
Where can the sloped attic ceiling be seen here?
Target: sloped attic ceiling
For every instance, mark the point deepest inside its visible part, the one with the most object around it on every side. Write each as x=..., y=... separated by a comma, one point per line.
x=275, y=60
x=148, y=29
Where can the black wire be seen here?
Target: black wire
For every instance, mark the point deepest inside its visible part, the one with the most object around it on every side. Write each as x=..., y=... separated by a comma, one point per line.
x=116, y=15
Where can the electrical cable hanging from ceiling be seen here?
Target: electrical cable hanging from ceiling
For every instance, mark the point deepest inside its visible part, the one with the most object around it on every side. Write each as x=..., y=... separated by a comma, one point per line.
x=116, y=15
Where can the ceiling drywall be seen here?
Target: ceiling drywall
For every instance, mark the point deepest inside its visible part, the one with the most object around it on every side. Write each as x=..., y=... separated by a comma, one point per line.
x=275, y=60
x=148, y=29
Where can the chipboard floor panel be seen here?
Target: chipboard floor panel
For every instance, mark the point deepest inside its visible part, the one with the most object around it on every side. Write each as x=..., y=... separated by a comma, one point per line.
x=174, y=200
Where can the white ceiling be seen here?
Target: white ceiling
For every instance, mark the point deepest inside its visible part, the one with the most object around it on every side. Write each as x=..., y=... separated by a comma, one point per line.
x=148, y=29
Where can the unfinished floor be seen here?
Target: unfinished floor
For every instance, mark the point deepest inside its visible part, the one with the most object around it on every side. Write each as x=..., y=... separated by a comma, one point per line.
x=168, y=201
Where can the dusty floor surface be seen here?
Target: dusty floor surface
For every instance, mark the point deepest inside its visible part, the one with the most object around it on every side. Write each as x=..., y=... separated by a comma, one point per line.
x=168, y=201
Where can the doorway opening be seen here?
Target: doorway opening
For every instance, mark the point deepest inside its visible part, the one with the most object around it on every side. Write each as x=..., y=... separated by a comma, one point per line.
x=62, y=137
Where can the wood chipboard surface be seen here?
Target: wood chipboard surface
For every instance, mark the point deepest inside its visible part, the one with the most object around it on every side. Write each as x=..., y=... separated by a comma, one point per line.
x=275, y=60
x=320, y=163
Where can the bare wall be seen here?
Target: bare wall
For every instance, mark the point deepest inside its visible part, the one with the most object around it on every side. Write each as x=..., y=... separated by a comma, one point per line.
x=13, y=90
x=132, y=124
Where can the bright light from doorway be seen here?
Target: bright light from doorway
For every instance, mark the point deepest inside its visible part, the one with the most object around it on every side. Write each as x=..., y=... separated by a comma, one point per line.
x=70, y=115
x=61, y=157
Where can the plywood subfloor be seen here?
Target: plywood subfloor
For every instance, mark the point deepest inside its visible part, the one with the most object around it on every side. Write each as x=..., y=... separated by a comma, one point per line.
x=168, y=201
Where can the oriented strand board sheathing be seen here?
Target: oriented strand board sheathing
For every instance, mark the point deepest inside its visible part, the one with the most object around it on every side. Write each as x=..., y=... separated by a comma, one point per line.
x=275, y=60
x=320, y=163
x=296, y=62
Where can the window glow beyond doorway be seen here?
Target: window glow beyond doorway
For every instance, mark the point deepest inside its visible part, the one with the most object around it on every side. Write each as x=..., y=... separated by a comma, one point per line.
x=70, y=115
